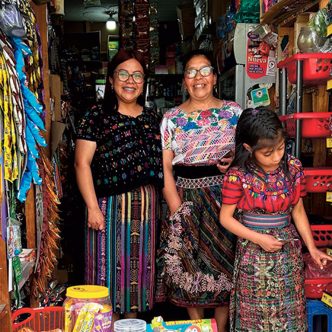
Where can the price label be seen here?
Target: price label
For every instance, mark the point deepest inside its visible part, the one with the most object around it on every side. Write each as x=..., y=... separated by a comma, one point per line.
x=329, y=142
x=329, y=196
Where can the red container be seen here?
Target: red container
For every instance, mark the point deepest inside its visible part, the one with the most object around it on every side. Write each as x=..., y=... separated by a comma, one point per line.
x=314, y=124
x=316, y=67
x=318, y=179
x=313, y=288
x=39, y=319
x=322, y=235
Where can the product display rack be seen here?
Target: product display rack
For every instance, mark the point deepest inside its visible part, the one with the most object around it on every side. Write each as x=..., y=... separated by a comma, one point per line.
x=40, y=11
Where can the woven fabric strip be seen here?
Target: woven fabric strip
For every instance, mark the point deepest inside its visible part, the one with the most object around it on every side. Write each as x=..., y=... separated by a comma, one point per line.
x=199, y=183
x=262, y=221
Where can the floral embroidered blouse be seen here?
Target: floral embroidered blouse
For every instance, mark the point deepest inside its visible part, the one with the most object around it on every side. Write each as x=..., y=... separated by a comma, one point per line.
x=256, y=191
x=202, y=136
x=128, y=153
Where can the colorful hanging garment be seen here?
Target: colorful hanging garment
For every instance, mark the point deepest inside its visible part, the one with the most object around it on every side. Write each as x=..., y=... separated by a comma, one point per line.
x=33, y=110
x=47, y=207
x=11, y=104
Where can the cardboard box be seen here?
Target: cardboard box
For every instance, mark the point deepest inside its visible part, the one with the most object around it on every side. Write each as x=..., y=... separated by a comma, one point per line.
x=186, y=19
x=285, y=43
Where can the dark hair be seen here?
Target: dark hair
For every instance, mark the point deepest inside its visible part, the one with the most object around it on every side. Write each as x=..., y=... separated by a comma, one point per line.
x=258, y=127
x=110, y=101
x=199, y=52
x=205, y=53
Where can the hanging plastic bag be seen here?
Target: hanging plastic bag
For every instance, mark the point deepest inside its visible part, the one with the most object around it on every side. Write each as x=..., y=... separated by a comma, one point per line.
x=14, y=245
x=11, y=21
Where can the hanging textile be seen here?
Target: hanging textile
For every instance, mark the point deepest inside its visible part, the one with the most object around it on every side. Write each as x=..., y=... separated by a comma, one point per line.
x=49, y=216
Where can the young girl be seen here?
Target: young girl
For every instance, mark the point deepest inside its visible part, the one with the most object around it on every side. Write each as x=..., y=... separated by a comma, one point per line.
x=266, y=185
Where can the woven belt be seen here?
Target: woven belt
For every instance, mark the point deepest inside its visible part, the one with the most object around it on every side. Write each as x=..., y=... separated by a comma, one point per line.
x=261, y=221
x=199, y=183
x=196, y=172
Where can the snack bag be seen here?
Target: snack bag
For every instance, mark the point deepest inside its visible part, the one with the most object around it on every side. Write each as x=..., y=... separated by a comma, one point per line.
x=200, y=325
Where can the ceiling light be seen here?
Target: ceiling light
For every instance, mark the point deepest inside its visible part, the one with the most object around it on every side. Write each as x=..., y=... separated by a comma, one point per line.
x=111, y=24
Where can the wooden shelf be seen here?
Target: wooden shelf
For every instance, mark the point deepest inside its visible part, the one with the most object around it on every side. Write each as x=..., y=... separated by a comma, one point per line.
x=285, y=11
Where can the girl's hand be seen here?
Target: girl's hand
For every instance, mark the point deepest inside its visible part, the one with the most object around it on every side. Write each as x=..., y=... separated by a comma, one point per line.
x=320, y=257
x=96, y=219
x=269, y=243
x=225, y=162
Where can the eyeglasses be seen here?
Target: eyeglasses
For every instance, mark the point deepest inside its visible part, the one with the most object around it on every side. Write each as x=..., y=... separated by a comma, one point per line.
x=204, y=71
x=123, y=76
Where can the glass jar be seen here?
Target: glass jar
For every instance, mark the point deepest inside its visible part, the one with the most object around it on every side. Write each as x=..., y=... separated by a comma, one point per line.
x=87, y=308
x=308, y=40
x=130, y=325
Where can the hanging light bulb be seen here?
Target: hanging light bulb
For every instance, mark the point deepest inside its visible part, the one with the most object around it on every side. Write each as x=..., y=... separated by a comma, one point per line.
x=111, y=23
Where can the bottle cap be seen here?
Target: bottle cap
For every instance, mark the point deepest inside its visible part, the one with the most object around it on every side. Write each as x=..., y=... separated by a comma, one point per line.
x=130, y=325
x=87, y=292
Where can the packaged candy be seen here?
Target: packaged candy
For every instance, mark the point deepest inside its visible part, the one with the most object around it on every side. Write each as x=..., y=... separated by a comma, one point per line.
x=87, y=309
x=200, y=325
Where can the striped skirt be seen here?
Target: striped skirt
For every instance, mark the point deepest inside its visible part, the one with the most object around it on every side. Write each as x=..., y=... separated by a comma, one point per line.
x=268, y=293
x=122, y=257
x=195, y=260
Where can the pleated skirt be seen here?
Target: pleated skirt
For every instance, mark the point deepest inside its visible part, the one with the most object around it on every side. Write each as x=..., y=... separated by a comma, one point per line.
x=122, y=257
x=195, y=259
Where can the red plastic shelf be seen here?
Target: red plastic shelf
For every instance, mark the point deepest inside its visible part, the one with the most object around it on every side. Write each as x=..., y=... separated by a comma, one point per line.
x=316, y=67
x=313, y=288
x=322, y=235
x=318, y=179
x=314, y=124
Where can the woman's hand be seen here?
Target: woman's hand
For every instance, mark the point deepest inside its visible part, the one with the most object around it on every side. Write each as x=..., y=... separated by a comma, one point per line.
x=96, y=219
x=320, y=257
x=269, y=243
x=225, y=162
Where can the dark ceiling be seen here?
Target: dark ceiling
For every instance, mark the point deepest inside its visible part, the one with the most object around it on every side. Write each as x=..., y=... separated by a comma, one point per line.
x=76, y=11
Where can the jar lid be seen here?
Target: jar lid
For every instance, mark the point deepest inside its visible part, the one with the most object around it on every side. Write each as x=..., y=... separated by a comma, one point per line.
x=87, y=292
x=130, y=325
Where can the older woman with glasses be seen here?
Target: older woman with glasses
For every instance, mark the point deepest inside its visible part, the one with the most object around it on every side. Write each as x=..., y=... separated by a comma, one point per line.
x=118, y=163
x=196, y=253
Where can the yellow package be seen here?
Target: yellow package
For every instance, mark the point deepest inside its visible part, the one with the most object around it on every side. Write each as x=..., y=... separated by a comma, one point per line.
x=85, y=319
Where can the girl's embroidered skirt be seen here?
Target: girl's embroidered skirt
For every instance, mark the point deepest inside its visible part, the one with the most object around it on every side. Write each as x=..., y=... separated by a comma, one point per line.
x=268, y=293
x=195, y=260
x=122, y=257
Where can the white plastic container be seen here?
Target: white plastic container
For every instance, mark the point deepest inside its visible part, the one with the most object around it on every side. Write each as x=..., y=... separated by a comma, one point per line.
x=130, y=325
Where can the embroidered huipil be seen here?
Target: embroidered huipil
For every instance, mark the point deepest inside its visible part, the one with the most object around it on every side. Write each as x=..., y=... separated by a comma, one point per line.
x=202, y=136
x=260, y=192
x=128, y=153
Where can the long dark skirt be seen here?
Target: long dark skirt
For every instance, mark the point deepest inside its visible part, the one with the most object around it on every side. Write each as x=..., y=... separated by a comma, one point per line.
x=268, y=292
x=196, y=254
x=122, y=257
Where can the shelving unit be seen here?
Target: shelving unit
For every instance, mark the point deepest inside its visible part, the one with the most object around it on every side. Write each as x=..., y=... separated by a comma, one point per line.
x=285, y=11
x=317, y=123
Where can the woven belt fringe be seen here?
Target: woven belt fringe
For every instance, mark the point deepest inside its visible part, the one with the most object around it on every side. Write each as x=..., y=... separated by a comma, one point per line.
x=200, y=182
x=265, y=220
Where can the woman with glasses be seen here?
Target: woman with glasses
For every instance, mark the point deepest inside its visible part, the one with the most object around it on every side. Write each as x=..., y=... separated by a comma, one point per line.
x=119, y=174
x=196, y=253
